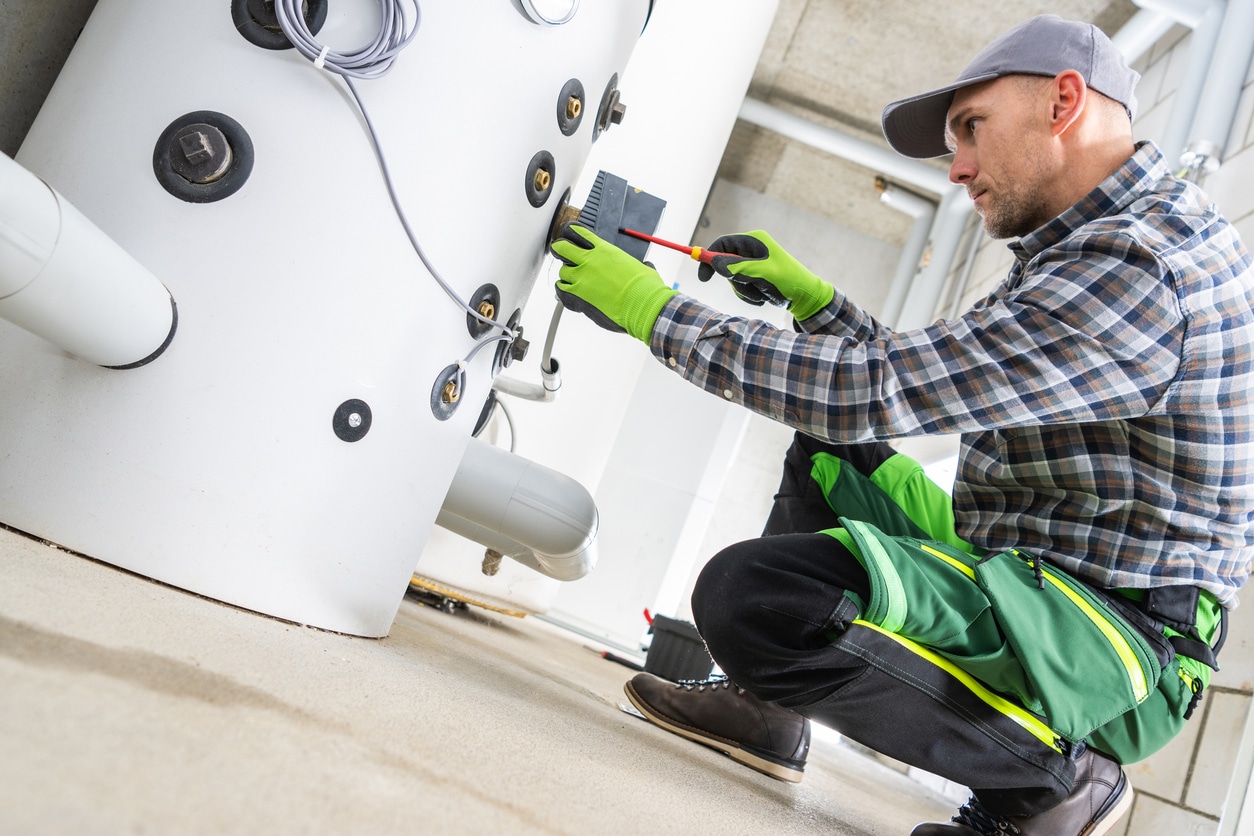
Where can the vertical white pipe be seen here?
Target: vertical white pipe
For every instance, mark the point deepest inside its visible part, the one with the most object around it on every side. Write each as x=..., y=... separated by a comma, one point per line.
x=1207, y=27
x=925, y=293
x=1222, y=92
x=63, y=279
x=923, y=211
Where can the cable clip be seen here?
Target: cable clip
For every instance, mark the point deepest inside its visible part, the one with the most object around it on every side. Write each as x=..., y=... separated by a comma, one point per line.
x=321, y=60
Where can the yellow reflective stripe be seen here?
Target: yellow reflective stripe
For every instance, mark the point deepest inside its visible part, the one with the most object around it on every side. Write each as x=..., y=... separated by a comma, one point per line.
x=952, y=561
x=1136, y=675
x=1015, y=713
x=894, y=589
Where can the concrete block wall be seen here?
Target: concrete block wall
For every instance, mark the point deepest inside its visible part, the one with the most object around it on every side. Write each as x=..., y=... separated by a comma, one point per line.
x=1190, y=786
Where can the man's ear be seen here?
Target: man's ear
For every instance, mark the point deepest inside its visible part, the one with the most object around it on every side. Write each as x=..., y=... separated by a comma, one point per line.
x=1068, y=97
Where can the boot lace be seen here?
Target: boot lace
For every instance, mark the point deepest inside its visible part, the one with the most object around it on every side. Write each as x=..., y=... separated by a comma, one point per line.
x=975, y=816
x=713, y=684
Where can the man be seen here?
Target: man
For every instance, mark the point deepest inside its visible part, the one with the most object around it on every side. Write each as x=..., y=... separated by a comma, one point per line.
x=1061, y=615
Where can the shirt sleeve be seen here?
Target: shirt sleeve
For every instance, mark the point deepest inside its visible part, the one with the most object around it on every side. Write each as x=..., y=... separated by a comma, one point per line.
x=1091, y=330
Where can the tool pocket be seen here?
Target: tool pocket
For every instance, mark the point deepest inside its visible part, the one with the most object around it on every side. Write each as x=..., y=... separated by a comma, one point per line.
x=1084, y=663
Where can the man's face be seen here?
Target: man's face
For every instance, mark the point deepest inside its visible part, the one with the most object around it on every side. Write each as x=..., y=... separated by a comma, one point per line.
x=995, y=132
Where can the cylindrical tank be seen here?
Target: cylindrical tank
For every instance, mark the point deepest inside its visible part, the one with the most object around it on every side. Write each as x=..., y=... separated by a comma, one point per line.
x=290, y=450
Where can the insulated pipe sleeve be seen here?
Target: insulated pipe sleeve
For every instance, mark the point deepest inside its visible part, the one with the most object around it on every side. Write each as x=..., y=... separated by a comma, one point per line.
x=539, y=517
x=65, y=280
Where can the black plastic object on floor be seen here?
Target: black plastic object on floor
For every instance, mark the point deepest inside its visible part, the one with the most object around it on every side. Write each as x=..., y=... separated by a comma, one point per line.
x=677, y=652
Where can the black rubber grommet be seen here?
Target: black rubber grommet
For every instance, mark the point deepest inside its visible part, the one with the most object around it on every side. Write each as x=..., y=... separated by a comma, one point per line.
x=351, y=420
x=536, y=194
x=572, y=90
x=259, y=25
x=241, y=167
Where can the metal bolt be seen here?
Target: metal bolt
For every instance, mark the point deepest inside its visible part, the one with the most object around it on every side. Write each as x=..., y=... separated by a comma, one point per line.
x=573, y=107
x=519, y=347
x=487, y=310
x=491, y=562
x=200, y=153
x=617, y=112
x=450, y=394
x=354, y=420
x=543, y=180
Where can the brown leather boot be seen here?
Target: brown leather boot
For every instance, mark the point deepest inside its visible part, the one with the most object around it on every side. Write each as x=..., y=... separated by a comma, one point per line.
x=1098, y=800
x=715, y=712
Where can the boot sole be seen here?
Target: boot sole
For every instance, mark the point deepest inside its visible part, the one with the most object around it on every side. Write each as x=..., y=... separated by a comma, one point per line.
x=1123, y=803
x=736, y=752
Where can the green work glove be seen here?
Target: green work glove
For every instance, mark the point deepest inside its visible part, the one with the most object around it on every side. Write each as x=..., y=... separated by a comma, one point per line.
x=761, y=271
x=607, y=285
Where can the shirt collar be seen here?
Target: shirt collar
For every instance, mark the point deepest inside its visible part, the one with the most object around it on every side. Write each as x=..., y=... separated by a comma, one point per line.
x=1144, y=168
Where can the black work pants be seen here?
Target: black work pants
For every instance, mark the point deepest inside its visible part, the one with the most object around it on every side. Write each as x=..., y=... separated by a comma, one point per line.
x=775, y=617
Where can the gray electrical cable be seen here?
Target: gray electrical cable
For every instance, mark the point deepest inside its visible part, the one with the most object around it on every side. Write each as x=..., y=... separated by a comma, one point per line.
x=373, y=60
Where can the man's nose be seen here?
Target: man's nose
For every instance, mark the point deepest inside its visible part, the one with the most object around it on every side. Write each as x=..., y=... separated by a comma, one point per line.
x=962, y=169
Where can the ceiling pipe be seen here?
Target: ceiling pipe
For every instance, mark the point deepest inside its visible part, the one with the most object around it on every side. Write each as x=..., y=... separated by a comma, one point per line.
x=922, y=295
x=1141, y=32
x=875, y=157
x=923, y=211
x=1221, y=94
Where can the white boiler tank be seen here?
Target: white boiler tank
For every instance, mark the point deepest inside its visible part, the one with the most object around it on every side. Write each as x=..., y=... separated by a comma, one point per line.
x=289, y=450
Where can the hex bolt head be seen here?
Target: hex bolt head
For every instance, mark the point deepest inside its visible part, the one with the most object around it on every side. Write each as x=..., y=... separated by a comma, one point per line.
x=450, y=393
x=487, y=310
x=543, y=180
x=573, y=107
x=200, y=153
x=518, y=348
x=617, y=112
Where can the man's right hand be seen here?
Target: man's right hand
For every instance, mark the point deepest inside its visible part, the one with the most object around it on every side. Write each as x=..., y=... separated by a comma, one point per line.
x=761, y=271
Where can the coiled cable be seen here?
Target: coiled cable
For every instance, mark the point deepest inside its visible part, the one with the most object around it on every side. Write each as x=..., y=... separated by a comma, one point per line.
x=374, y=60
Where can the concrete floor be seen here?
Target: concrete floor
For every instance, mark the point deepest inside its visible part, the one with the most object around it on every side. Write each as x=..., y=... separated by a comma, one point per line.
x=127, y=706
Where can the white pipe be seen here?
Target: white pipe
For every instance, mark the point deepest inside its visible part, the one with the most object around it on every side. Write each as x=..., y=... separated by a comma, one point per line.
x=1186, y=12
x=1222, y=91
x=925, y=293
x=63, y=279
x=545, y=391
x=1206, y=18
x=1141, y=32
x=923, y=211
x=877, y=158
x=539, y=517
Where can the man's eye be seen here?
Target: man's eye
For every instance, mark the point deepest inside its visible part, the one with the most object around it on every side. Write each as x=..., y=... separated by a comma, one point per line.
x=971, y=123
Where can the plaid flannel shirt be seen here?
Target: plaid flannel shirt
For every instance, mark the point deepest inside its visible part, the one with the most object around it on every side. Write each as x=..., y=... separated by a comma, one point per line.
x=1104, y=392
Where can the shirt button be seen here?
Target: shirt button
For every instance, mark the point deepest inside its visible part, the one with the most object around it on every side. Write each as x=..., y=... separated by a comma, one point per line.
x=672, y=362
x=727, y=393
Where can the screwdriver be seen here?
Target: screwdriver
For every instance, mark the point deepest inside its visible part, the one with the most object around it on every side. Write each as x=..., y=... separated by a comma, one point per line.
x=697, y=253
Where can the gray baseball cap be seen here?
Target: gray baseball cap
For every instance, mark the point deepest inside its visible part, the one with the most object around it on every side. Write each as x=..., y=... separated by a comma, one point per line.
x=1045, y=45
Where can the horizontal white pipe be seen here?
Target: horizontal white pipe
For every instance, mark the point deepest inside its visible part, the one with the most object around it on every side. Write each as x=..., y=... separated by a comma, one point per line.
x=545, y=391
x=877, y=158
x=539, y=517
x=1187, y=12
x=1141, y=32
x=63, y=279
